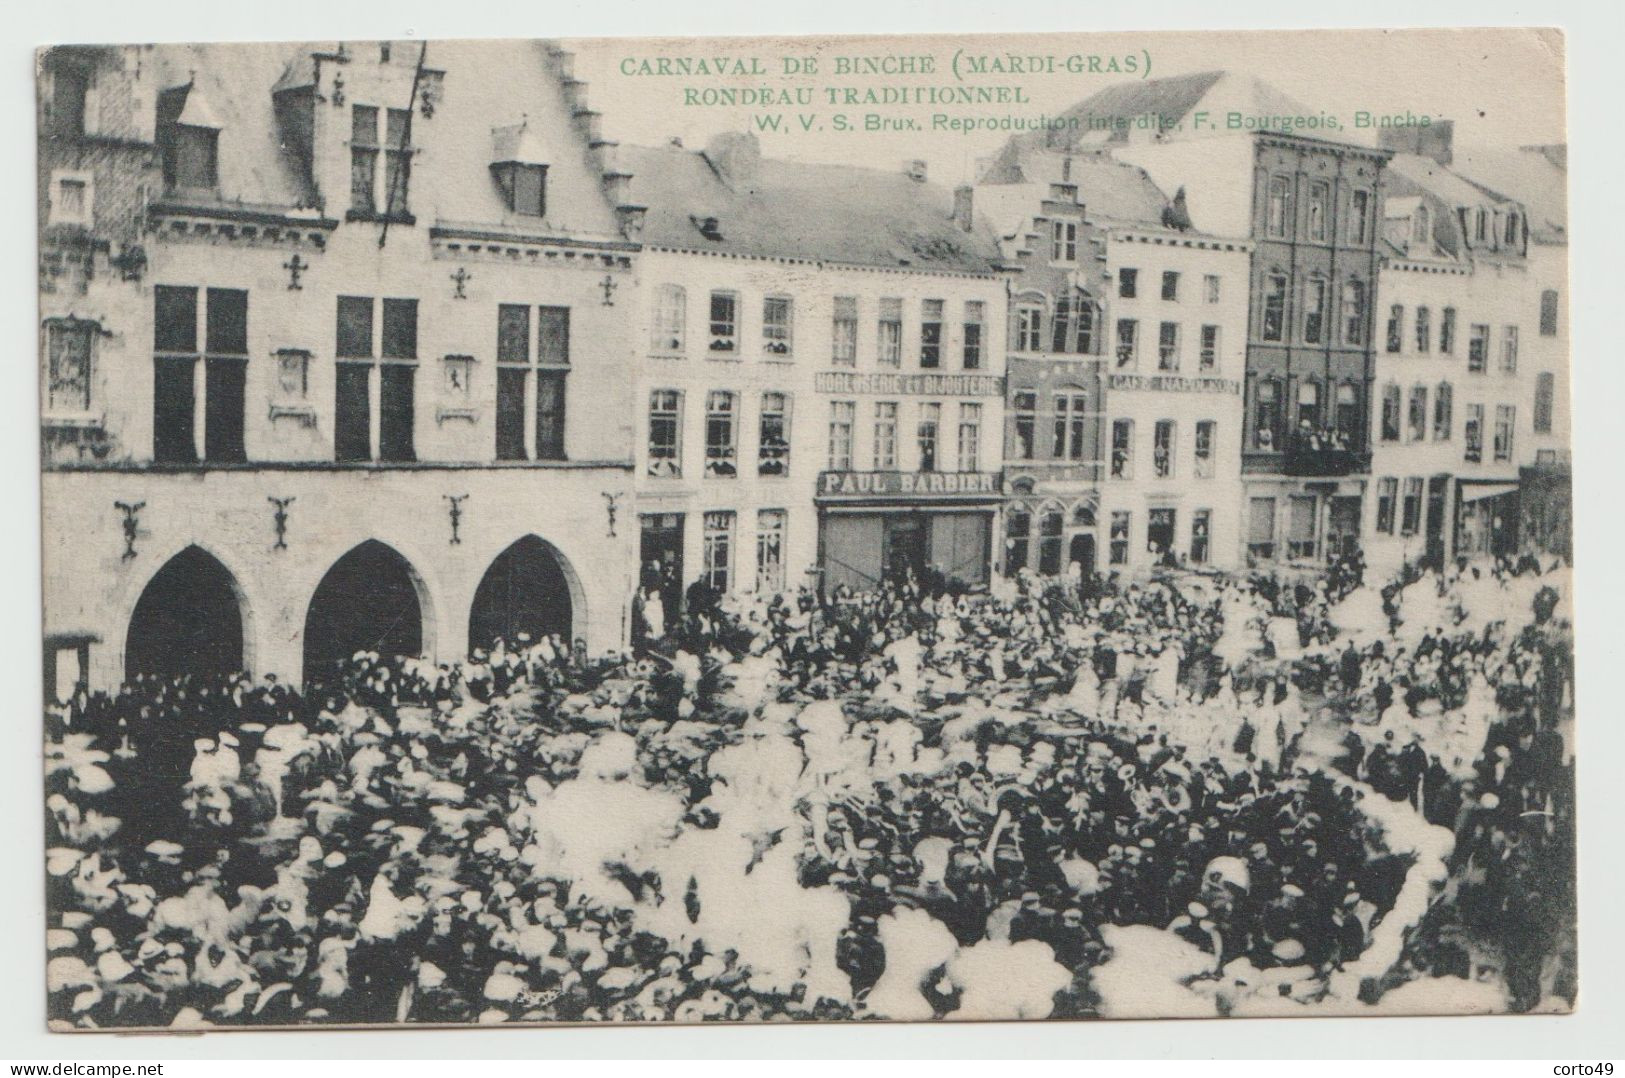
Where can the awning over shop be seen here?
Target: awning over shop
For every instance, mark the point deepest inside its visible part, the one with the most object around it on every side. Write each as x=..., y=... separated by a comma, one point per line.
x=1483, y=491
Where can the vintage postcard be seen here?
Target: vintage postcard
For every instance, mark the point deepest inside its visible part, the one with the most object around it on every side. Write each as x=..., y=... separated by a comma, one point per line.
x=743, y=530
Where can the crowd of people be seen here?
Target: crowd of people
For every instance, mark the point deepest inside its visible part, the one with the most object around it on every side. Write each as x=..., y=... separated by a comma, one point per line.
x=904, y=804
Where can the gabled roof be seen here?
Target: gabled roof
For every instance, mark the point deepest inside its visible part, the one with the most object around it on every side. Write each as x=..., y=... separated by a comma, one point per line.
x=793, y=209
x=1535, y=175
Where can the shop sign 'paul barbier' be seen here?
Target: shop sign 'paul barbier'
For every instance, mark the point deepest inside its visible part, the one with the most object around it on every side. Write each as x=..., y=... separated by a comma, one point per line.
x=1100, y=554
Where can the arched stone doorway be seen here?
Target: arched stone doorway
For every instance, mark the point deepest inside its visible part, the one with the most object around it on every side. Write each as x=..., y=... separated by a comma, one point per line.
x=526, y=591
x=369, y=600
x=189, y=620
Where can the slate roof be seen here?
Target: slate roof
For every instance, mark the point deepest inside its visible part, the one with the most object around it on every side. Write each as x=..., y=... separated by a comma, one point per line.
x=1535, y=175
x=792, y=209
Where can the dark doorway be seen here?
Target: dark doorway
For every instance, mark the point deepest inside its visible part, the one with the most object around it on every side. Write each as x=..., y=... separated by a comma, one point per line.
x=524, y=594
x=187, y=621
x=660, y=556
x=1159, y=536
x=366, y=602
x=905, y=549
x=1082, y=551
x=1438, y=488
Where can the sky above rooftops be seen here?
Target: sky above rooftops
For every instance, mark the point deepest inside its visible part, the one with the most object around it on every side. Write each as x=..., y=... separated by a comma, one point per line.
x=1502, y=88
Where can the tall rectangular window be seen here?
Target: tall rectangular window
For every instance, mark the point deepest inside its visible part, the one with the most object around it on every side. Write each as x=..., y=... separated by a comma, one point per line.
x=397, y=377
x=1359, y=216
x=1505, y=419
x=1168, y=346
x=68, y=366
x=974, y=330
x=1063, y=241
x=724, y=324
x=1509, y=349
x=1071, y=425
x=1396, y=328
x=1210, y=288
x=352, y=406
x=1208, y=358
x=363, y=159
x=1277, y=206
x=1267, y=415
x=717, y=551
x=1347, y=420
x=844, y=332
x=1087, y=315
x=889, y=327
x=1314, y=310
x=1545, y=395
x=1319, y=211
x=1061, y=326
x=928, y=435
x=1162, y=449
x=513, y=373
x=1273, y=325
x=1447, y=331
x=885, y=436
x=397, y=160
x=668, y=334
x=930, y=334
x=770, y=530
x=1117, y=551
x=1416, y=419
x=666, y=433
x=1170, y=286
x=1302, y=525
x=1387, y=495
x=778, y=326
x=1029, y=321
x=842, y=414
x=1391, y=420
x=1128, y=283
x=1206, y=430
x=225, y=374
x=1354, y=312
x=1025, y=409
x=1261, y=528
x=1410, y=507
x=175, y=353
x=721, y=434
x=1478, y=348
x=773, y=436
x=550, y=407
x=970, y=437
x=1548, y=313
x=1444, y=403
x=1472, y=434
x=1122, y=449
x=1424, y=330
x=1128, y=342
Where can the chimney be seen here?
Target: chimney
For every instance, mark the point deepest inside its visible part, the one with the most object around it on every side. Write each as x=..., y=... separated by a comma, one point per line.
x=735, y=155
x=962, y=206
x=1435, y=140
x=914, y=170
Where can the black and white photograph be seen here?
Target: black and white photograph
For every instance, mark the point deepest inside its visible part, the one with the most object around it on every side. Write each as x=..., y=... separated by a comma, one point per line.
x=831, y=529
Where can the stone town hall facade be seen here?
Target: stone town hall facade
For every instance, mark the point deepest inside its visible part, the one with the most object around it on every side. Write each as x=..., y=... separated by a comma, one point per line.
x=337, y=356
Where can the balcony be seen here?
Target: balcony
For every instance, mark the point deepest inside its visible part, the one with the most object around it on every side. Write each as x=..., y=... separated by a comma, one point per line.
x=1322, y=454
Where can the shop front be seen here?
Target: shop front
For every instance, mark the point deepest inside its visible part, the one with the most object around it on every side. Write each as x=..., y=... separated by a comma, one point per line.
x=931, y=526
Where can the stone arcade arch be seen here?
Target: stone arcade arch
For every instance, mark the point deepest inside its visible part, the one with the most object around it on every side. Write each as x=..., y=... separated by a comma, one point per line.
x=370, y=600
x=190, y=619
x=530, y=589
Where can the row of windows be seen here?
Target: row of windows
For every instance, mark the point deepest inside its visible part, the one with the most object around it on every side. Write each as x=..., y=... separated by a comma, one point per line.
x=1040, y=544
x=1128, y=285
x=929, y=437
x=718, y=546
x=373, y=339
x=1170, y=346
x=1415, y=420
x=1318, y=223
x=1164, y=449
x=1478, y=338
x=724, y=334
x=1313, y=323
x=1318, y=423
x=1302, y=533
x=722, y=418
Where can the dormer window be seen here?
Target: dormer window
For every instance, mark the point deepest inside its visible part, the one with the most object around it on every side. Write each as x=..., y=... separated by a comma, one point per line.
x=524, y=187
x=709, y=227
x=189, y=137
x=367, y=188
x=1420, y=226
x=519, y=165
